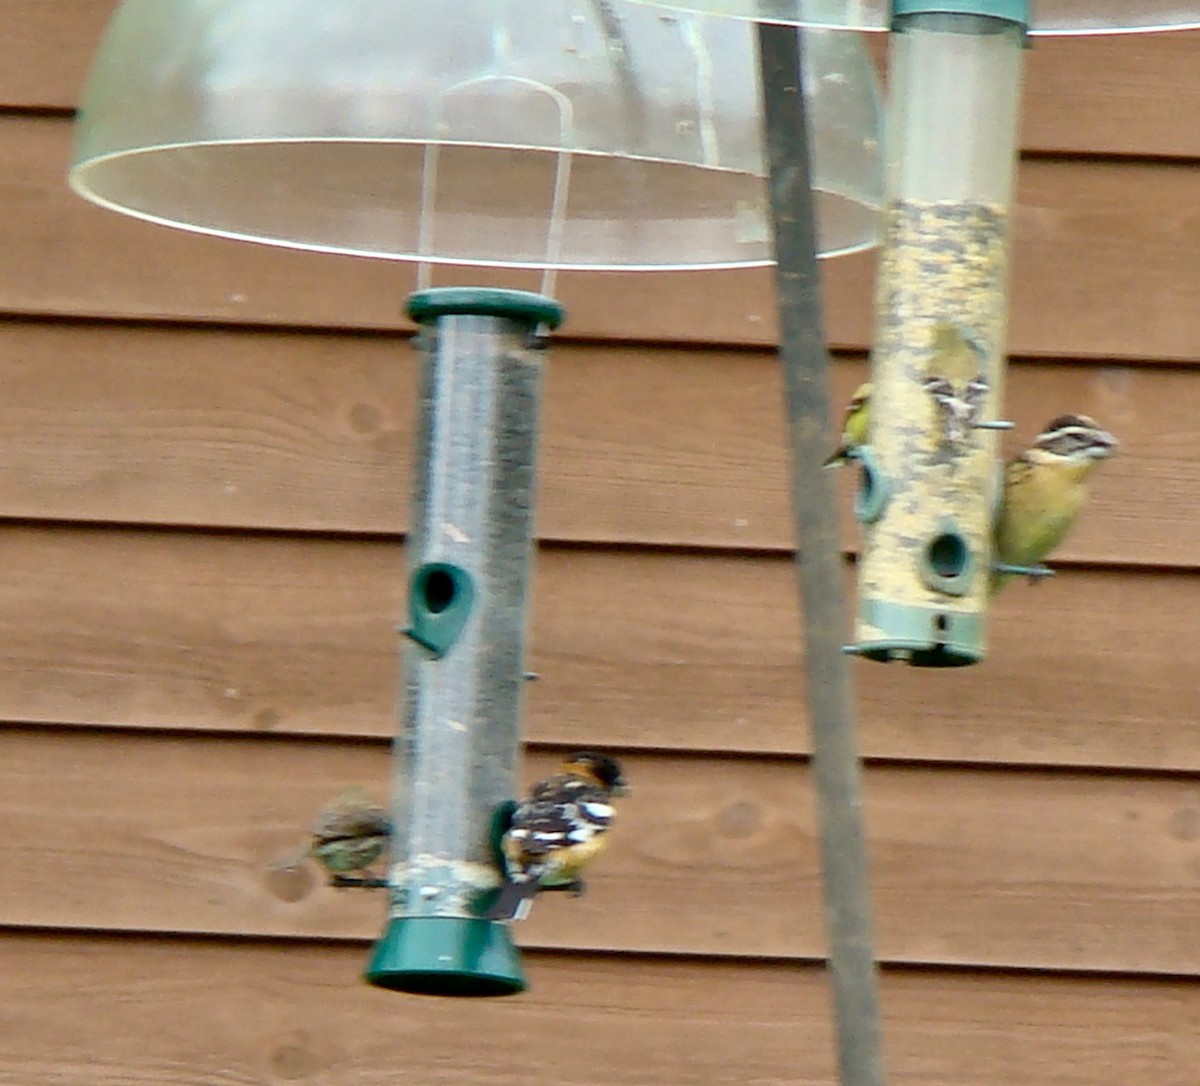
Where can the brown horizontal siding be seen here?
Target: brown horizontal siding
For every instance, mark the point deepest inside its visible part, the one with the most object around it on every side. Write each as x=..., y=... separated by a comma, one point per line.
x=1104, y=265
x=163, y=425
x=179, y=703
x=677, y=651
x=1114, y=95
x=145, y=1011
x=85, y=1011
x=46, y=49
x=192, y=834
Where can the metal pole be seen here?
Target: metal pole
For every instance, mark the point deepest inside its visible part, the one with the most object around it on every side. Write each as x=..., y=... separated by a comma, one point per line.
x=819, y=562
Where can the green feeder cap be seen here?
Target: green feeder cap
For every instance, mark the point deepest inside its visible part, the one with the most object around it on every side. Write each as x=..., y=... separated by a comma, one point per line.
x=1013, y=11
x=426, y=306
x=446, y=956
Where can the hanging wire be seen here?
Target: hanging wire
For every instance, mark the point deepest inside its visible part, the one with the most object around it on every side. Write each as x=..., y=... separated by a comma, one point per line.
x=556, y=221
x=693, y=38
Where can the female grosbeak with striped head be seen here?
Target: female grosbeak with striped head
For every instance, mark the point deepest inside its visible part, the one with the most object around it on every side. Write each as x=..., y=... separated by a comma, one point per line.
x=1044, y=490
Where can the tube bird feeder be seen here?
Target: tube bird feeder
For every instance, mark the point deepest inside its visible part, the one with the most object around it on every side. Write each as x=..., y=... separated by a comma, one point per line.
x=937, y=366
x=470, y=554
x=930, y=472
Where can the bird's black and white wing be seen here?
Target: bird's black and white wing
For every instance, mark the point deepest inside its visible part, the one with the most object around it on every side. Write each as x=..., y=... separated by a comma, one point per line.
x=562, y=811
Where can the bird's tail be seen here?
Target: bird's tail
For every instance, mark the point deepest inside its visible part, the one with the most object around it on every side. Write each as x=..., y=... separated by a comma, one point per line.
x=514, y=900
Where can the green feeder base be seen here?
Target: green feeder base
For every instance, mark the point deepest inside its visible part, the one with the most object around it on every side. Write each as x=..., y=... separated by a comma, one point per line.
x=447, y=956
x=920, y=636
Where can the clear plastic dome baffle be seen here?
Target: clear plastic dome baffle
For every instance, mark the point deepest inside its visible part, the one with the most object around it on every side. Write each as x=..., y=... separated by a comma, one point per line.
x=1050, y=17
x=511, y=133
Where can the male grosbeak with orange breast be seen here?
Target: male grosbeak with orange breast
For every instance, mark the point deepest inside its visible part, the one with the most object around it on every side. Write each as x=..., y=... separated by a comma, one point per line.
x=557, y=830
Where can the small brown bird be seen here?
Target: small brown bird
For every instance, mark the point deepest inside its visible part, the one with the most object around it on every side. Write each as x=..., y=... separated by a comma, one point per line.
x=351, y=834
x=1044, y=490
x=854, y=427
x=555, y=832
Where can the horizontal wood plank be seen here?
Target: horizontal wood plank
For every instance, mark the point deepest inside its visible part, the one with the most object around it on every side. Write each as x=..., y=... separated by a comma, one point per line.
x=1052, y=871
x=213, y=632
x=46, y=49
x=1093, y=94
x=230, y=429
x=1104, y=262
x=137, y=1011
x=1112, y=95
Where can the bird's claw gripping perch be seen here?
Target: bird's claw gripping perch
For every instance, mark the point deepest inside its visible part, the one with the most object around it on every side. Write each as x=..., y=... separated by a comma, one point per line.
x=348, y=882
x=576, y=888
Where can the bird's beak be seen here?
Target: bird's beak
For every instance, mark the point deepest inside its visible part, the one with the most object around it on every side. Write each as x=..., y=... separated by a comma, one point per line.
x=621, y=788
x=1107, y=443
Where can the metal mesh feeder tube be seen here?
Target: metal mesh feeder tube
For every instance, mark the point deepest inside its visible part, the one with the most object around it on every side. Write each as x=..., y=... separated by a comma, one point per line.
x=470, y=556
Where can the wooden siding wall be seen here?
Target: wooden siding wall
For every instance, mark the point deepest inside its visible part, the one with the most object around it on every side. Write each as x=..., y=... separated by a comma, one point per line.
x=204, y=475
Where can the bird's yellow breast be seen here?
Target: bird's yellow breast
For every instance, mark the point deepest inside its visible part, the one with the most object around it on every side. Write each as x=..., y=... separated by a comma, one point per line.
x=562, y=864
x=570, y=861
x=856, y=426
x=1041, y=502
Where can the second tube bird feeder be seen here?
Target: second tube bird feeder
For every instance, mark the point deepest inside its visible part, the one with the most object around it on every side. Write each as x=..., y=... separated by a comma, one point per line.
x=929, y=478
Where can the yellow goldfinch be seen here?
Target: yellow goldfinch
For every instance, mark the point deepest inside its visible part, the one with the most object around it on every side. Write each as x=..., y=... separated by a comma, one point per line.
x=350, y=835
x=557, y=831
x=1044, y=489
x=854, y=427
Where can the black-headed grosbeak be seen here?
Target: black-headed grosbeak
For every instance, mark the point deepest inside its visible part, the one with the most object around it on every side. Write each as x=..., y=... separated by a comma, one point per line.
x=1044, y=489
x=351, y=834
x=854, y=426
x=557, y=830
